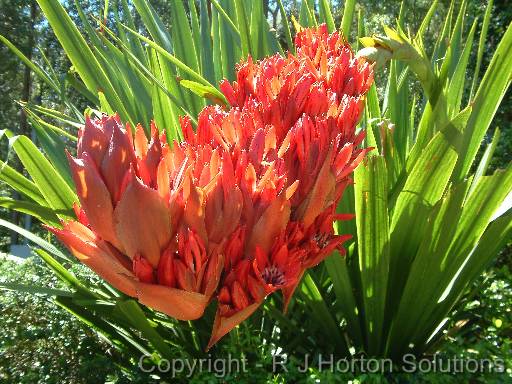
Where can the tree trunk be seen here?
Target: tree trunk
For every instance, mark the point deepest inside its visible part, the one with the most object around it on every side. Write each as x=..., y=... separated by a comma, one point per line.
x=265, y=8
x=25, y=96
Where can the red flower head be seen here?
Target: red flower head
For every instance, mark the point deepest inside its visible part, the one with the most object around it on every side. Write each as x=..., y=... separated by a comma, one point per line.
x=244, y=205
x=297, y=115
x=135, y=228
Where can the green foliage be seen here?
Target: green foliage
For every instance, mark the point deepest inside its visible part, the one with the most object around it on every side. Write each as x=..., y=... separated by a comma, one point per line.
x=40, y=342
x=424, y=229
x=439, y=215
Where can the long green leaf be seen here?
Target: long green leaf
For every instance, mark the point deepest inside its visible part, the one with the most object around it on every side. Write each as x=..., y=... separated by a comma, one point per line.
x=31, y=64
x=33, y=238
x=171, y=58
x=321, y=313
x=79, y=52
x=481, y=47
x=485, y=160
x=20, y=183
x=286, y=26
x=373, y=245
x=138, y=319
x=243, y=27
x=56, y=191
x=34, y=289
x=45, y=214
x=207, y=63
x=457, y=81
x=491, y=91
x=341, y=282
x=64, y=275
x=326, y=15
x=232, y=27
x=416, y=299
x=348, y=17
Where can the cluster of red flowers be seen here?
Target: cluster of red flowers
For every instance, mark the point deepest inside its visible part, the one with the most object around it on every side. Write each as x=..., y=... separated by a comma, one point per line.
x=244, y=205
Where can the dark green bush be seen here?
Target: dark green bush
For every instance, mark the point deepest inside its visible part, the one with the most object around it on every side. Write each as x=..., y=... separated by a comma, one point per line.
x=42, y=343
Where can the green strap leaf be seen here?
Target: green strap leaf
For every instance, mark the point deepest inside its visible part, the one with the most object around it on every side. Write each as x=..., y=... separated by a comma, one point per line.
x=64, y=275
x=336, y=266
x=326, y=15
x=492, y=89
x=373, y=245
x=171, y=58
x=153, y=23
x=232, y=27
x=207, y=92
x=35, y=239
x=481, y=47
x=321, y=313
x=115, y=334
x=286, y=26
x=55, y=190
x=34, y=289
x=182, y=38
x=486, y=159
x=21, y=184
x=348, y=16
x=243, y=27
x=31, y=64
x=417, y=298
x=53, y=147
x=206, y=51
x=73, y=43
x=79, y=53
x=138, y=319
x=196, y=30
x=40, y=212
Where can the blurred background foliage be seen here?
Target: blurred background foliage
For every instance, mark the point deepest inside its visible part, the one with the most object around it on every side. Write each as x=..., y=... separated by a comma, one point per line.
x=41, y=343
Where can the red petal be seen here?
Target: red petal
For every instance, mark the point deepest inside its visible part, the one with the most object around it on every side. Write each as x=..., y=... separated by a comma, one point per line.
x=80, y=214
x=224, y=296
x=94, y=198
x=213, y=273
x=194, y=208
x=140, y=142
x=163, y=181
x=280, y=258
x=143, y=270
x=238, y=296
x=165, y=272
x=261, y=258
x=271, y=223
x=343, y=157
x=95, y=254
x=222, y=325
x=256, y=289
x=320, y=197
x=184, y=276
x=117, y=161
x=93, y=140
x=228, y=91
x=142, y=222
x=288, y=292
x=181, y=305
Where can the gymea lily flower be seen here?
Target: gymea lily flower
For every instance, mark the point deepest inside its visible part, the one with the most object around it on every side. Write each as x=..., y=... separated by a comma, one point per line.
x=244, y=205
x=132, y=215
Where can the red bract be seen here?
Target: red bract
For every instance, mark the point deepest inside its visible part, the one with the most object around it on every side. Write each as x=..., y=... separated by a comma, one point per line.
x=244, y=205
x=134, y=229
